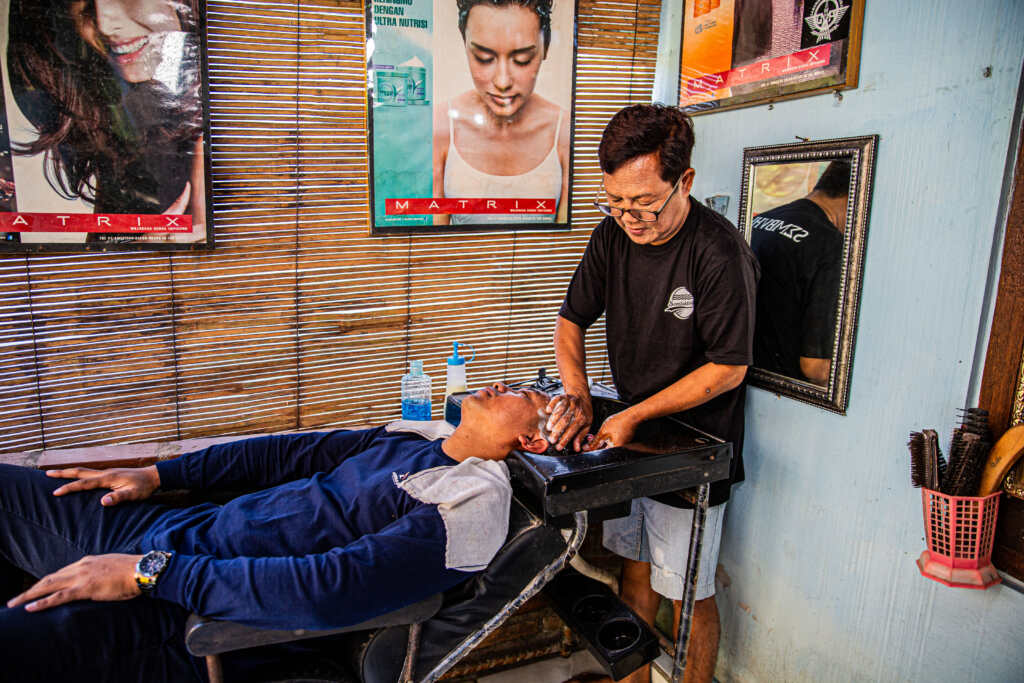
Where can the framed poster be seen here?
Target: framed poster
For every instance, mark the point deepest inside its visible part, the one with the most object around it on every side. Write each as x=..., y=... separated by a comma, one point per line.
x=470, y=109
x=105, y=126
x=738, y=53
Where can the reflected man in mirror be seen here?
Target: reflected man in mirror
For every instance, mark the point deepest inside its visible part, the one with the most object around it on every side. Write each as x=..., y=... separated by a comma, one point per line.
x=800, y=248
x=340, y=527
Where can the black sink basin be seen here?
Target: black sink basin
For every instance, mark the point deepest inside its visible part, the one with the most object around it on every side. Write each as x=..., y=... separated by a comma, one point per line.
x=665, y=456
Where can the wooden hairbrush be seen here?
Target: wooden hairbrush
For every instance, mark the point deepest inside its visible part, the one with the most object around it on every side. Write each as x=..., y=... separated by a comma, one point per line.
x=1004, y=456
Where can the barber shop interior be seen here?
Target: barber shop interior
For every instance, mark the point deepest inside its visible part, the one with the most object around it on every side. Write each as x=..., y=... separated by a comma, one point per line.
x=511, y=341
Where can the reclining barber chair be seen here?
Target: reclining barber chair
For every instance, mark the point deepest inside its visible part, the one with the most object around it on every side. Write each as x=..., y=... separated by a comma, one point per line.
x=423, y=641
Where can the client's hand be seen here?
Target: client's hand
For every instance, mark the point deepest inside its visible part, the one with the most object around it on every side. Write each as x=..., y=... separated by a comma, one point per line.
x=125, y=483
x=569, y=419
x=94, y=577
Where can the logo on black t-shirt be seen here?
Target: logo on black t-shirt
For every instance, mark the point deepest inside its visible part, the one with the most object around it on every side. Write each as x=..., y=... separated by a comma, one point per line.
x=680, y=304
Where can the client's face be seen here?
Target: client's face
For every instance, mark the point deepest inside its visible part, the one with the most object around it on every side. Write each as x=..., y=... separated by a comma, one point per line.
x=506, y=410
x=130, y=33
x=505, y=47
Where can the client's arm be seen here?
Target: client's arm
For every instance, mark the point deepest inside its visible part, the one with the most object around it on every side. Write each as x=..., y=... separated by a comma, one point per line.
x=402, y=564
x=249, y=463
x=263, y=461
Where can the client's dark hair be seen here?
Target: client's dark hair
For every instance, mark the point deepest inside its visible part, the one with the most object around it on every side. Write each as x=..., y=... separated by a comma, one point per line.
x=644, y=129
x=835, y=181
x=92, y=125
x=542, y=8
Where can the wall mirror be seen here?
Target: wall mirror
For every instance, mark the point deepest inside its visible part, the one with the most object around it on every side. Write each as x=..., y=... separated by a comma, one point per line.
x=804, y=211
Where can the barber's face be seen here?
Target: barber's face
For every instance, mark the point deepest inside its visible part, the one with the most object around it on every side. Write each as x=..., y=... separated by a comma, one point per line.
x=130, y=33
x=505, y=48
x=637, y=184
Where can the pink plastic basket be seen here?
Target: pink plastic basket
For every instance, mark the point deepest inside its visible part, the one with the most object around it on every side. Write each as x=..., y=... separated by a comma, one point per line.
x=960, y=532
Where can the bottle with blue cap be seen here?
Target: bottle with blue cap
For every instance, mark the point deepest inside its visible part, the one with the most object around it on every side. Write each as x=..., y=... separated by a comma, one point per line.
x=456, y=378
x=416, y=393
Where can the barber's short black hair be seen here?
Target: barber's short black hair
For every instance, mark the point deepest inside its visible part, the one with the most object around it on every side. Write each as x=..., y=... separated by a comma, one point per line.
x=835, y=181
x=542, y=8
x=643, y=129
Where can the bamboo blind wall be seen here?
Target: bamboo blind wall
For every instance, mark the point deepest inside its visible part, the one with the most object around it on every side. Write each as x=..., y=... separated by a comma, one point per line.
x=298, y=319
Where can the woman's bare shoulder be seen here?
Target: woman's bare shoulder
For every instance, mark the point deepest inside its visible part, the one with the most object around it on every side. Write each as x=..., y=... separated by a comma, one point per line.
x=544, y=103
x=466, y=104
x=546, y=111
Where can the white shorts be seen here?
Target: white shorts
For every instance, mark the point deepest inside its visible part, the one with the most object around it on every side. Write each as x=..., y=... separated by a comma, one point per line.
x=660, y=534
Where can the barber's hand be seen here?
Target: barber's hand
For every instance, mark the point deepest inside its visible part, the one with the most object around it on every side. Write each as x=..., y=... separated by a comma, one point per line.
x=94, y=577
x=617, y=430
x=569, y=419
x=125, y=483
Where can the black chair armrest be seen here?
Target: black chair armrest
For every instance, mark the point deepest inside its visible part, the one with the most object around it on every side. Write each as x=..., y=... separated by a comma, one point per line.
x=205, y=637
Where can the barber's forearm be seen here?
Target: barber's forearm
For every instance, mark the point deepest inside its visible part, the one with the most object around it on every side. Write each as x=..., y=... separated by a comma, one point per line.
x=571, y=357
x=700, y=386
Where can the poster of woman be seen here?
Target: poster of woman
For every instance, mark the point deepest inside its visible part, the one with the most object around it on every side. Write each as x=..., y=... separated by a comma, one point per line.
x=106, y=126
x=471, y=113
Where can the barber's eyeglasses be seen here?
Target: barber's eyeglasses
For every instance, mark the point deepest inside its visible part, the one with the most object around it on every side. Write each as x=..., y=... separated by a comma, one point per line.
x=645, y=215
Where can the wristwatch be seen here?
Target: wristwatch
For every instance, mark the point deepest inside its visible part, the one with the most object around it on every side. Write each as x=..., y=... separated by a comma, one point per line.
x=148, y=569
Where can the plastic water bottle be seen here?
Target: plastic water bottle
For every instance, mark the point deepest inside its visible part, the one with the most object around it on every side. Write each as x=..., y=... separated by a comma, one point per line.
x=415, y=393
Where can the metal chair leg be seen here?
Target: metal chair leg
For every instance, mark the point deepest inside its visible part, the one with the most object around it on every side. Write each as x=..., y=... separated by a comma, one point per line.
x=412, y=650
x=700, y=513
x=214, y=669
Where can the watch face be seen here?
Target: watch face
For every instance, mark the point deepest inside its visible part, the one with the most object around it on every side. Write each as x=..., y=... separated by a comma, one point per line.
x=148, y=569
x=152, y=563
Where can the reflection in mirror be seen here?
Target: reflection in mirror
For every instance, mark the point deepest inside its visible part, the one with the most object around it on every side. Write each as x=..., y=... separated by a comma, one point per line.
x=797, y=236
x=804, y=212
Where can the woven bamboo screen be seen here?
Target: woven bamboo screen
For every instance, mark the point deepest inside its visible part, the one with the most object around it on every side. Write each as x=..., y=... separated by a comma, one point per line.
x=298, y=319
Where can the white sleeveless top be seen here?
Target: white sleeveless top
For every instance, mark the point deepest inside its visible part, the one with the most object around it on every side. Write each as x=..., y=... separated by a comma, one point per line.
x=463, y=181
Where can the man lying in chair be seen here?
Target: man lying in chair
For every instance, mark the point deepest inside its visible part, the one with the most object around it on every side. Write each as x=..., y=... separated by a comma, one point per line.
x=346, y=525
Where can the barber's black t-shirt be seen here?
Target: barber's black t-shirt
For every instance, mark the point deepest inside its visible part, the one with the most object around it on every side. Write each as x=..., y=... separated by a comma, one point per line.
x=800, y=253
x=670, y=309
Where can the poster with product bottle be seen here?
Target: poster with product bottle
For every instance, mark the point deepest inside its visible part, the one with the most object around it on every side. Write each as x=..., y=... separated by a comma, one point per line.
x=103, y=126
x=470, y=109
x=738, y=53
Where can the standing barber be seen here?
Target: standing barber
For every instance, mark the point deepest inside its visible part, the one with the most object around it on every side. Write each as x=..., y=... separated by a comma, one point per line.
x=677, y=284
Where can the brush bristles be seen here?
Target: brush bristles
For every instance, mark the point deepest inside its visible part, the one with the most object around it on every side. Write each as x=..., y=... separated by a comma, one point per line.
x=963, y=481
x=957, y=450
x=916, y=446
x=968, y=451
x=932, y=453
x=975, y=421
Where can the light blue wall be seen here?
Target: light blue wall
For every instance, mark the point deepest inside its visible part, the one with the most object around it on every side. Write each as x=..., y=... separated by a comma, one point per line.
x=821, y=540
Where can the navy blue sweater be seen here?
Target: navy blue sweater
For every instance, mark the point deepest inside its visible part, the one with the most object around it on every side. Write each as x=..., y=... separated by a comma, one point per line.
x=333, y=541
